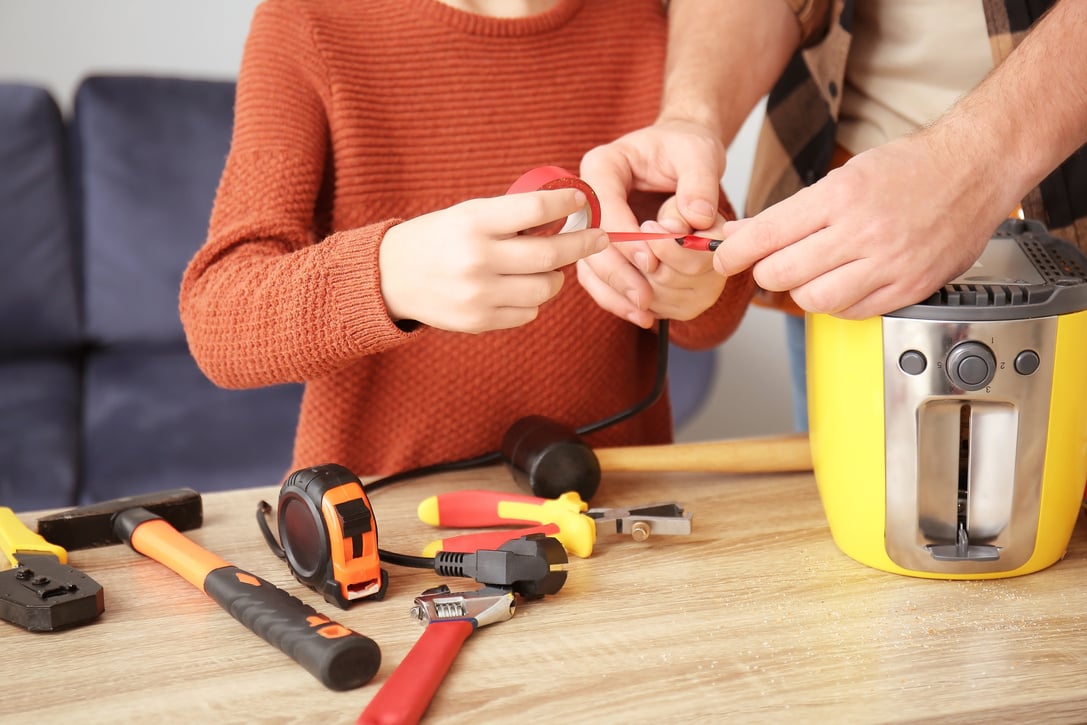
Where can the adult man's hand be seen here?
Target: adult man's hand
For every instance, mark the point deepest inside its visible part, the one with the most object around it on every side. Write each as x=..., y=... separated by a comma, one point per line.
x=883, y=231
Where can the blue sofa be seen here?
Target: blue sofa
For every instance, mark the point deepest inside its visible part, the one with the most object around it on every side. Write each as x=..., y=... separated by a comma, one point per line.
x=99, y=214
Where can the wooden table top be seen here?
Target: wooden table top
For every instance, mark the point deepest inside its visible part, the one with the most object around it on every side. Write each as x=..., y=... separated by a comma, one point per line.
x=755, y=616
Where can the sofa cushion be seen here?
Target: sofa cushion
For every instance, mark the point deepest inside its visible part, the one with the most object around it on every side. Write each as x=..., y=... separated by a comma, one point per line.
x=38, y=294
x=154, y=422
x=39, y=431
x=40, y=394
x=151, y=153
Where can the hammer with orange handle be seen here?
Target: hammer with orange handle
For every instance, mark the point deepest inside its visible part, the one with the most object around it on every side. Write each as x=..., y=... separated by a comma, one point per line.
x=337, y=656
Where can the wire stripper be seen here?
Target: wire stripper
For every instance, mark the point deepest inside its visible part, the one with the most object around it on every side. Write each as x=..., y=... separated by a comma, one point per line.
x=567, y=518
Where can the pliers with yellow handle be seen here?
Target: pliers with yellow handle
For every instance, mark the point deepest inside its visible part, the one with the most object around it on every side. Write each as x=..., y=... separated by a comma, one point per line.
x=38, y=590
x=567, y=518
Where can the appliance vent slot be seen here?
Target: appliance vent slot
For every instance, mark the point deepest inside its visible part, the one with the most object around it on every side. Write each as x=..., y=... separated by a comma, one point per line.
x=986, y=295
x=1052, y=262
x=1051, y=280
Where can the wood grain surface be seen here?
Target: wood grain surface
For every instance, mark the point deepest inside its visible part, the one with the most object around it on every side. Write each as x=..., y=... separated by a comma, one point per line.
x=753, y=617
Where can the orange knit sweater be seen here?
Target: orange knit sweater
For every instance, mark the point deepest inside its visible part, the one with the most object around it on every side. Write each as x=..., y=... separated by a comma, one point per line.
x=353, y=115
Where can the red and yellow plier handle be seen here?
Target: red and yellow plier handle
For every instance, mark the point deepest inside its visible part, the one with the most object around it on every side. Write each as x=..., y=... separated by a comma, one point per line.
x=562, y=518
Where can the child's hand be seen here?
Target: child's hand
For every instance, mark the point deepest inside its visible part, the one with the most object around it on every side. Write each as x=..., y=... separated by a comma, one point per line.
x=677, y=283
x=467, y=269
x=684, y=281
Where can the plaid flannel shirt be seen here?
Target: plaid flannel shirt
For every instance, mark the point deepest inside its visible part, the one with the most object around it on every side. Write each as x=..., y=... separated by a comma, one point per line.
x=797, y=140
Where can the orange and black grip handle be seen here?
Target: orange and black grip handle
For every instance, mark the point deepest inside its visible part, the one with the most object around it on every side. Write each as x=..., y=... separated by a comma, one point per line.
x=337, y=656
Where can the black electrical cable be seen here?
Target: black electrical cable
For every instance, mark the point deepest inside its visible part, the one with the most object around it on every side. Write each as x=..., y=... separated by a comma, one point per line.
x=659, y=380
x=423, y=562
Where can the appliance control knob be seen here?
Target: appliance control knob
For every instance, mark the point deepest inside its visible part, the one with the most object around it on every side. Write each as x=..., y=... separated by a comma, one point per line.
x=971, y=365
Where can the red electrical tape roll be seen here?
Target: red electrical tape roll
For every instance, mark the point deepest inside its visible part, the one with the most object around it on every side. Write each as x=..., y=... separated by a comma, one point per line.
x=556, y=177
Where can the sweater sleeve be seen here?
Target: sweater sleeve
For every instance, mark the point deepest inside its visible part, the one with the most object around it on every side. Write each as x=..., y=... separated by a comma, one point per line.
x=716, y=324
x=267, y=300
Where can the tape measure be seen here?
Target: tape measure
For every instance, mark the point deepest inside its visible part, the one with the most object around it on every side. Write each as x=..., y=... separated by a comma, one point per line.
x=328, y=534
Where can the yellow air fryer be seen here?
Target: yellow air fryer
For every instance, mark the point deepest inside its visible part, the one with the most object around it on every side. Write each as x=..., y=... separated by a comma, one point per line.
x=949, y=438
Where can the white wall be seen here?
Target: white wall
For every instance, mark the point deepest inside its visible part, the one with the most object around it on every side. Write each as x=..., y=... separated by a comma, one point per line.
x=57, y=42
x=752, y=394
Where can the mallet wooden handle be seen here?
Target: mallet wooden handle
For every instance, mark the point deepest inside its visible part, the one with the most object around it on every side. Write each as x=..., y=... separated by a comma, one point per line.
x=340, y=658
x=769, y=454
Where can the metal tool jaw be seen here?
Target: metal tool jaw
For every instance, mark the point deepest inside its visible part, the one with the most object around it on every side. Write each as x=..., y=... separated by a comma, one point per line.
x=449, y=618
x=481, y=606
x=642, y=521
x=38, y=590
x=43, y=595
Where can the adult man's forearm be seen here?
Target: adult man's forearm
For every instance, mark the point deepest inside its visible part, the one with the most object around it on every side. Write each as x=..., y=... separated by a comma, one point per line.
x=1030, y=113
x=723, y=57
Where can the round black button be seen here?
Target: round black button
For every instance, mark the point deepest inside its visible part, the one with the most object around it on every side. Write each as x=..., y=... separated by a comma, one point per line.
x=912, y=362
x=1027, y=362
x=972, y=369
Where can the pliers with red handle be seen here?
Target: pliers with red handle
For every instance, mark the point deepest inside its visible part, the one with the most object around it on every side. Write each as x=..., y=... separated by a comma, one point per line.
x=567, y=518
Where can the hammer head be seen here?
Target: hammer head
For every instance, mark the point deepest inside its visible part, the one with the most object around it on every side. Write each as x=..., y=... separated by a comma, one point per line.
x=89, y=526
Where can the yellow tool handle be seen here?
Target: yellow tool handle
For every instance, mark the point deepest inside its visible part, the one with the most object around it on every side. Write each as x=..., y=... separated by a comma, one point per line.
x=769, y=454
x=16, y=538
x=476, y=508
x=473, y=508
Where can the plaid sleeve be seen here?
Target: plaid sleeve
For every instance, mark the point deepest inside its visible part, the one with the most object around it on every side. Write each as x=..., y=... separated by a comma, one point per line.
x=796, y=142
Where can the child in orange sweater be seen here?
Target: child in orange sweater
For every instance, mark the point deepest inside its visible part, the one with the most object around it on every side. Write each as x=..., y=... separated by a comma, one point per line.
x=361, y=241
